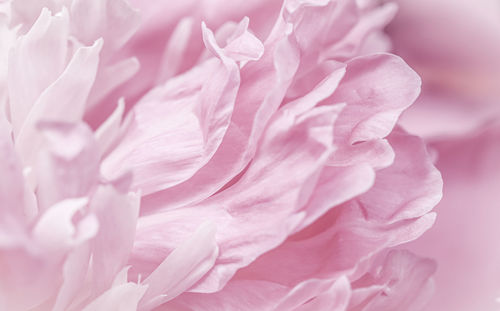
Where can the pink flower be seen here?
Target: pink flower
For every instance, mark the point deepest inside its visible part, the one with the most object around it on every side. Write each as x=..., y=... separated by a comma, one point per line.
x=248, y=170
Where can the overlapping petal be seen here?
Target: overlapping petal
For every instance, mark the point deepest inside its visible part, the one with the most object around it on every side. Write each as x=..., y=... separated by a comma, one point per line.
x=256, y=167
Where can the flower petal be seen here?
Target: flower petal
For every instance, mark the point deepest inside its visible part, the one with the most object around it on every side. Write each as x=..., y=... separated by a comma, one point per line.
x=68, y=165
x=182, y=268
x=117, y=214
x=35, y=62
x=376, y=90
x=63, y=100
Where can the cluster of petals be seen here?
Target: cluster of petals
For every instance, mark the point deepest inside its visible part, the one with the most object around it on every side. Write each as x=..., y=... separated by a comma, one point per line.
x=254, y=167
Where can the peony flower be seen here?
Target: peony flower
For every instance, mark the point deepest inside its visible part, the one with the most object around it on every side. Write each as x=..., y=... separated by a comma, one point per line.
x=455, y=49
x=238, y=170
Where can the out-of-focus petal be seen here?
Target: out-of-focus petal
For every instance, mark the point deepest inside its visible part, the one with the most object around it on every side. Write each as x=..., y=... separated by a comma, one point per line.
x=113, y=20
x=117, y=215
x=55, y=231
x=121, y=297
x=68, y=166
x=463, y=239
x=64, y=100
x=454, y=48
x=107, y=134
x=35, y=62
x=12, y=186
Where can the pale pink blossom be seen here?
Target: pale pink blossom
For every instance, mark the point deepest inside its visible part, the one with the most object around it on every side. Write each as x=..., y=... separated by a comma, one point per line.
x=259, y=166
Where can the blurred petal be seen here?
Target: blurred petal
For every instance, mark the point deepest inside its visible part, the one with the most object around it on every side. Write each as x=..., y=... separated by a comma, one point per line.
x=113, y=20
x=463, y=239
x=117, y=214
x=68, y=166
x=64, y=100
x=35, y=63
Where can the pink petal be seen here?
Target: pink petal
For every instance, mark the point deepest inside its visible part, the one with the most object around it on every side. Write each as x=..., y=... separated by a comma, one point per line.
x=376, y=90
x=35, y=62
x=247, y=295
x=117, y=214
x=182, y=268
x=192, y=123
x=252, y=110
x=355, y=43
x=63, y=100
x=402, y=283
x=410, y=187
x=114, y=21
x=248, y=204
x=68, y=166
x=12, y=187
x=55, y=231
x=74, y=273
x=123, y=297
x=107, y=134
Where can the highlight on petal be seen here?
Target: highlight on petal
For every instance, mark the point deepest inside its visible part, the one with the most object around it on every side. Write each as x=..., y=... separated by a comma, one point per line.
x=182, y=268
x=35, y=62
x=238, y=240
x=55, y=231
x=385, y=86
x=113, y=20
x=160, y=165
x=192, y=123
x=63, y=100
x=117, y=215
x=253, y=108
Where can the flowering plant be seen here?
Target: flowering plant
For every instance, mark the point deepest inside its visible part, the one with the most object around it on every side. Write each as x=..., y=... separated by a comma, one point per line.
x=251, y=168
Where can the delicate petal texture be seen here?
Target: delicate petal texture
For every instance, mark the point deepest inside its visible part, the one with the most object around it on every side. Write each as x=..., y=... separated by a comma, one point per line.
x=253, y=108
x=370, y=82
x=196, y=119
x=237, y=233
x=208, y=155
x=402, y=283
x=182, y=268
x=412, y=182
